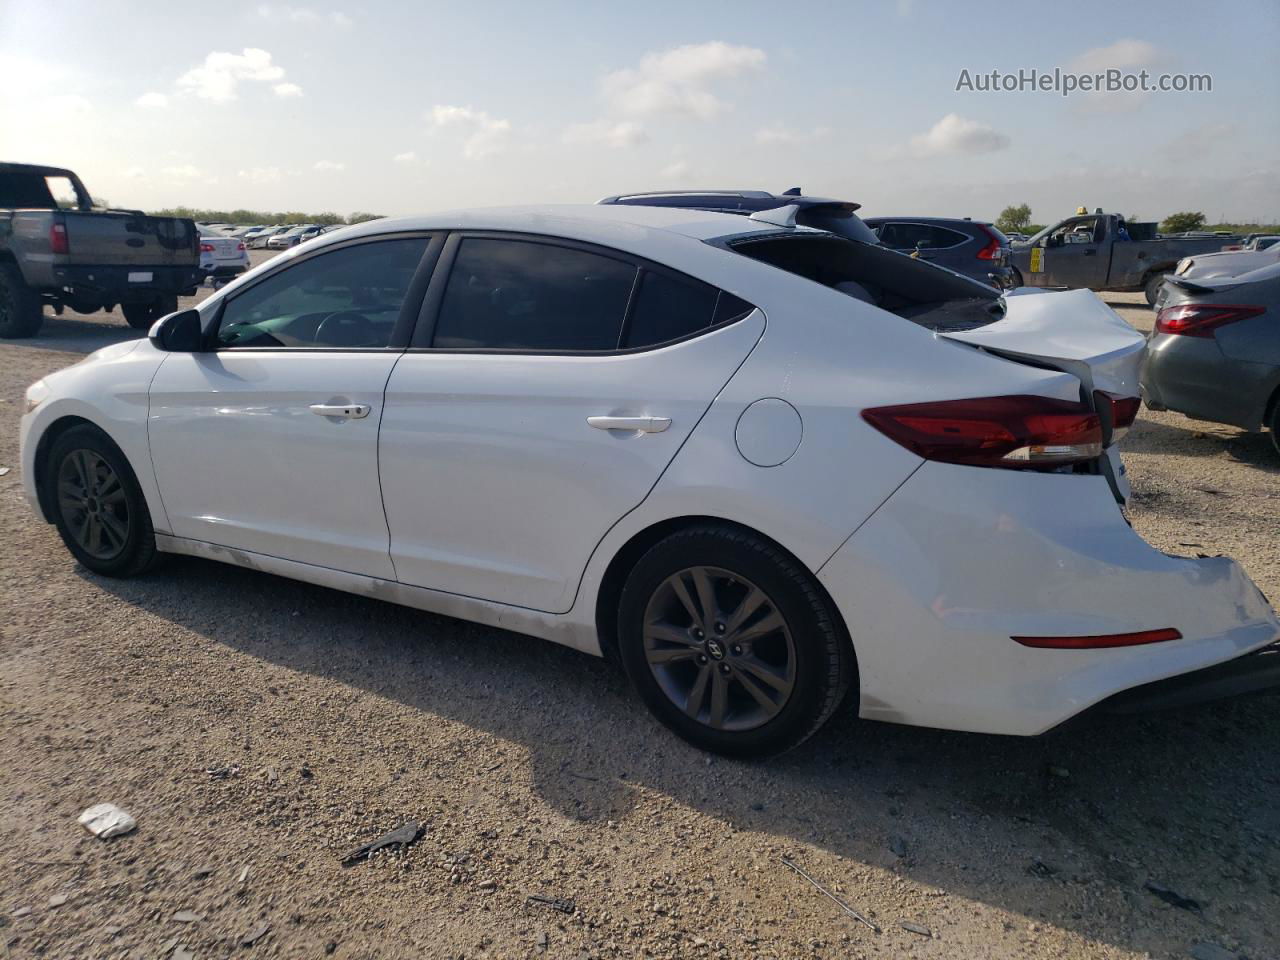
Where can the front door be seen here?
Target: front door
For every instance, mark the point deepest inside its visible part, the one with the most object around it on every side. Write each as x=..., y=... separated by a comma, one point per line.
x=1076, y=255
x=558, y=384
x=268, y=442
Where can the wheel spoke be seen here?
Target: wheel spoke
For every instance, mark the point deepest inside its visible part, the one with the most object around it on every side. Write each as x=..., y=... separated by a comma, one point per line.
x=762, y=671
x=114, y=526
x=94, y=532
x=82, y=470
x=698, y=693
x=761, y=628
x=760, y=696
x=69, y=490
x=110, y=487
x=719, y=698
x=666, y=633
x=682, y=594
x=706, y=595
x=749, y=605
x=670, y=654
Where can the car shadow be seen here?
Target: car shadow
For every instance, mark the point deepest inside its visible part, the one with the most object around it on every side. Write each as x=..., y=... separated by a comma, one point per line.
x=1064, y=829
x=74, y=333
x=1198, y=438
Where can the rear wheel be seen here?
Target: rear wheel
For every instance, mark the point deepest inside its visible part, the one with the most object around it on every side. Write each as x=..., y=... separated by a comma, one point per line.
x=142, y=315
x=1275, y=423
x=21, y=311
x=1152, y=288
x=731, y=643
x=98, y=506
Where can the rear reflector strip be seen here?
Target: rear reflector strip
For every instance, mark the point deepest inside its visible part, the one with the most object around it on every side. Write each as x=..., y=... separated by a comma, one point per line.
x=1105, y=640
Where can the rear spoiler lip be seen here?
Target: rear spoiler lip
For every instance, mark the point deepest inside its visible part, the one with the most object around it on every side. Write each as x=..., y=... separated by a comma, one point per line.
x=1189, y=285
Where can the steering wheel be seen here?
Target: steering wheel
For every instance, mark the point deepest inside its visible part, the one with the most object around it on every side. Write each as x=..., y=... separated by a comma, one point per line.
x=346, y=328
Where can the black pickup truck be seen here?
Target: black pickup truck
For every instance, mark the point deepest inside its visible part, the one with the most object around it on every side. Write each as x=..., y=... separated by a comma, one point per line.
x=56, y=248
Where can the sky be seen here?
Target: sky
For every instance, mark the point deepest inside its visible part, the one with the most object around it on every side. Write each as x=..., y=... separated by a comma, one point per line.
x=398, y=108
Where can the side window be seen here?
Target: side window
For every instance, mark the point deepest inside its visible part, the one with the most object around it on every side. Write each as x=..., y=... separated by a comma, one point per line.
x=667, y=308
x=899, y=236
x=527, y=295
x=939, y=238
x=349, y=297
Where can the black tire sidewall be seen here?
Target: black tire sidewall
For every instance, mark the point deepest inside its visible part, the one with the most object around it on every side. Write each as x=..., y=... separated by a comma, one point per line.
x=140, y=541
x=23, y=311
x=1151, y=289
x=812, y=631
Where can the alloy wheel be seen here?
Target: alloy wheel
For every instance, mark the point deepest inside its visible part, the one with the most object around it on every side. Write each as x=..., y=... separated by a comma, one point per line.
x=719, y=648
x=93, y=504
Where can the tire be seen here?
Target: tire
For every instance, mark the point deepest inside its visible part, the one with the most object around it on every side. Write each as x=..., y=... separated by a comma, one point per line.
x=1275, y=424
x=790, y=635
x=142, y=315
x=1152, y=288
x=21, y=311
x=87, y=477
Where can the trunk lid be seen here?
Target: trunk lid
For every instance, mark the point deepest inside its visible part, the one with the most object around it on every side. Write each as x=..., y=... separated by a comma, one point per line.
x=127, y=238
x=1069, y=330
x=224, y=248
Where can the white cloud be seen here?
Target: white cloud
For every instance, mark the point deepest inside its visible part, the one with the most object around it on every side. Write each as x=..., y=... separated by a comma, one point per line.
x=488, y=134
x=218, y=78
x=152, y=100
x=287, y=90
x=135, y=173
x=261, y=174
x=185, y=171
x=955, y=135
x=679, y=80
x=407, y=157
x=624, y=133
x=1119, y=55
x=334, y=18
x=675, y=170
x=781, y=135
x=330, y=165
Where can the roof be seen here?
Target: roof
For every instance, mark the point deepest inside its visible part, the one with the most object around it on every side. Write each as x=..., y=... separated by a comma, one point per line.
x=35, y=168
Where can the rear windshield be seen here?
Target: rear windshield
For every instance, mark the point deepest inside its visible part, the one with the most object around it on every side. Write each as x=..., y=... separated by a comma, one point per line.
x=913, y=289
x=37, y=191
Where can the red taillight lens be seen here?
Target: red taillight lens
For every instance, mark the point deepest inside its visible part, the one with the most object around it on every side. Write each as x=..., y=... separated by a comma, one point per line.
x=1017, y=431
x=206, y=248
x=58, y=239
x=240, y=245
x=1103, y=641
x=1202, y=319
x=992, y=250
x=1121, y=411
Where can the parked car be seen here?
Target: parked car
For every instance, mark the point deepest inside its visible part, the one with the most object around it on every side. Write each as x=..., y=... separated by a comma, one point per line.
x=222, y=257
x=971, y=247
x=293, y=236
x=83, y=257
x=1101, y=251
x=765, y=467
x=259, y=241
x=1227, y=263
x=1215, y=351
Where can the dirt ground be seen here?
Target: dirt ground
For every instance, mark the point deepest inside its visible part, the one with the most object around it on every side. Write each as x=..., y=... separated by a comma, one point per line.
x=258, y=728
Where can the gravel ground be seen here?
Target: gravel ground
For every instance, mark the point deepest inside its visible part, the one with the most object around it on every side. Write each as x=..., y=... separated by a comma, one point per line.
x=258, y=728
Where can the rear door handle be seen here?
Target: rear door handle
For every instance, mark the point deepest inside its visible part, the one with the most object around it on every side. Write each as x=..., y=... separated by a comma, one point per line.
x=643, y=424
x=348, y=411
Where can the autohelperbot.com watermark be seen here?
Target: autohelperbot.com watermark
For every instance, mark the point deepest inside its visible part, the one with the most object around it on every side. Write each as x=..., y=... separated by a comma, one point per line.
x=1066, y=82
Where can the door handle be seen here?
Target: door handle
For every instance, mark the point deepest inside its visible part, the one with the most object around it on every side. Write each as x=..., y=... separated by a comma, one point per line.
x=349, y=411
x=642, y=424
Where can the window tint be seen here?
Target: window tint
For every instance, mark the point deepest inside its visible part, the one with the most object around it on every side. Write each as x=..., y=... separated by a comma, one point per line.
x=522, y=295
x=905, y=236
x=667, y=308
x=345, y=298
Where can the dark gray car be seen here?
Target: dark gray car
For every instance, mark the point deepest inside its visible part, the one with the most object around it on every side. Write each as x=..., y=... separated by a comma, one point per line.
x=971, y=247
x=1215, y=351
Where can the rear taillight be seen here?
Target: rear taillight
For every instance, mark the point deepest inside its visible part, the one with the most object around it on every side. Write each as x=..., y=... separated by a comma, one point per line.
x=992, y=250
x=1119, y=410
x=58, y=239
x=206, y=248
x=1017, y=431
x=1201, y=319
x=240, y=245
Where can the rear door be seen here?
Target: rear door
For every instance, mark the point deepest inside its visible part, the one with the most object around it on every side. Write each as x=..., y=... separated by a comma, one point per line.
x=554, y=386
x=269, y=441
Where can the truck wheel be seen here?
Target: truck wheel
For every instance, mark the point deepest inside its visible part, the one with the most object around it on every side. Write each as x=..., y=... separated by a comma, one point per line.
x=1152, y=289
x=21, y=311
x=141, y=316
x=1275, y=423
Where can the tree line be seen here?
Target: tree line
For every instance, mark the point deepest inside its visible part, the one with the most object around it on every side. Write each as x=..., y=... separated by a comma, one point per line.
x=1017, y=219
x=256, y=217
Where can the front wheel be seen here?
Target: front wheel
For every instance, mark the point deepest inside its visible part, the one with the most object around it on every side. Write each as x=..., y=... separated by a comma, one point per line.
x=21, y=311
x=731, y=643
x=142, y=315
x=98, y=506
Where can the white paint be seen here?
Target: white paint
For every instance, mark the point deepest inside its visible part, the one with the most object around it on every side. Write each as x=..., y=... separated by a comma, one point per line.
x=769, y=432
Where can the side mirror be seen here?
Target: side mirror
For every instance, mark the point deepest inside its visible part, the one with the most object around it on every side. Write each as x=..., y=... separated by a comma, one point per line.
x=179, y=332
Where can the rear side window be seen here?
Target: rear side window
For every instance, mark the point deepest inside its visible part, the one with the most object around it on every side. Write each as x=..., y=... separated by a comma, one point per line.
x=667, y=308
x=906, y=236
x=525, y=295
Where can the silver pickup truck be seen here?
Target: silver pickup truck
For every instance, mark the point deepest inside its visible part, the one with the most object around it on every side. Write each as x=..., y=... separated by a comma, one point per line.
x=56, y=248
x=1102, y=252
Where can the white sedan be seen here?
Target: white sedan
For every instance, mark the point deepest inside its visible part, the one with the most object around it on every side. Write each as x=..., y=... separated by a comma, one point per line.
x=769, y=469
